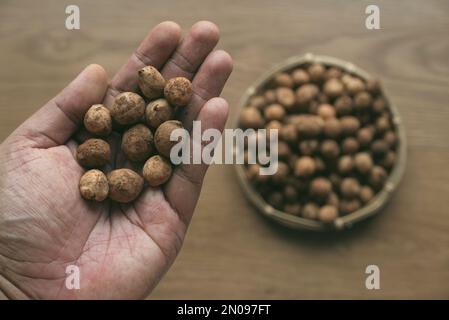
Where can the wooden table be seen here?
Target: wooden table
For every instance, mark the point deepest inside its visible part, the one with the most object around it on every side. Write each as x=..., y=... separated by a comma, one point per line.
x=230, y=250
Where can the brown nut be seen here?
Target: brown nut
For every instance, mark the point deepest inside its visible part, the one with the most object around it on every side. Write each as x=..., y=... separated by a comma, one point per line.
x=94, y=153
x=333, y=200
x=283, y=79
x=382, y=124
x=309, y=125
x=304, y=167
x=363, y=162
x=328, y=214
x=257, y=102
x=250, y=117
x=349, y=205
x=94, y=185
x=366, y=194
x=373, y=86
x=389, y=159
x=286, y=97
x=288, y=133
x=365, y=136
x=98, y=121
x=157, y=171
x=157, y=112
x=349, y=125
x=343, y=105
x=320, y=187
x=362, y=100
x=326, y=111
x=162, y=137
x=178, y=91
x=300, y=77
x=128, y=108
x=333, y=88
x=306, y=93
x=377, y=177
x=345, y=164
x=272, y=125
x=349, y=188
x=125, y=185
x=316, y=72
x=379, y=105
x=332, y=128
x=274, y=111
x=137, y=143
x=269, y=97
x=310, y=211
x=390, y=138
x=333, y=72
x=354, y=85
x=350, y=145
x=151, y=82
x=330, y=149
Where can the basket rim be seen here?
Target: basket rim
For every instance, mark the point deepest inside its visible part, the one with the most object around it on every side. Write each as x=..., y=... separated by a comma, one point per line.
x=344, y=222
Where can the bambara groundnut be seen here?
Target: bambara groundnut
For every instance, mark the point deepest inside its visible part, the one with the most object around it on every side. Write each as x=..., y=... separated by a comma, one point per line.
x=125, y=185
x=93, y=153
x=94, y=185
x=128, y=108
x=178, y=91
x=157, y=170
x=151, y=82
x=137, y=143
x=157, y=112
x=98, y=121
x=162, y=137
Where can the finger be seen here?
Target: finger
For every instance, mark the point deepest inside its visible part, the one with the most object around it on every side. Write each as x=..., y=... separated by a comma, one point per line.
x=154, y=50
x=183, y=189
x=208, y=83
x=59, y=119
x=191, y=52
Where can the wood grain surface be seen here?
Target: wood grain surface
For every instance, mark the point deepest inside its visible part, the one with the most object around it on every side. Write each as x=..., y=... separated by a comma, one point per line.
x=231, y=251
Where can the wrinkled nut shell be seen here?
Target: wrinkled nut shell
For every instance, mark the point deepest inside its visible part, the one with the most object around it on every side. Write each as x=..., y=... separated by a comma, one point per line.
x=151, y=82
x=128, y=108
x=137, y=143
x=98, y=121
x=178, y=91
x=94, y=185
x=124, y=185
x=157, y=171
x=162, y=137
x=157, y=112
x=94, y=153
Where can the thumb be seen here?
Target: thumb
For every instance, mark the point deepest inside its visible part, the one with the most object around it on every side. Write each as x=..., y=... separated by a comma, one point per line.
x=58, y=119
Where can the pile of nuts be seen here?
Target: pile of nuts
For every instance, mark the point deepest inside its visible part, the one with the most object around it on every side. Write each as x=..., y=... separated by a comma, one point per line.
x=146, y=125
x=337, y=142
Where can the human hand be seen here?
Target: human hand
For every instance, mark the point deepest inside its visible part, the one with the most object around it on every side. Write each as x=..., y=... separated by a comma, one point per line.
x=122, y=251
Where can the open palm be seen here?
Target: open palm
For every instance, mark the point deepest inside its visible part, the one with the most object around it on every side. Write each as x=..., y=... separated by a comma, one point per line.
x=121, y=250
